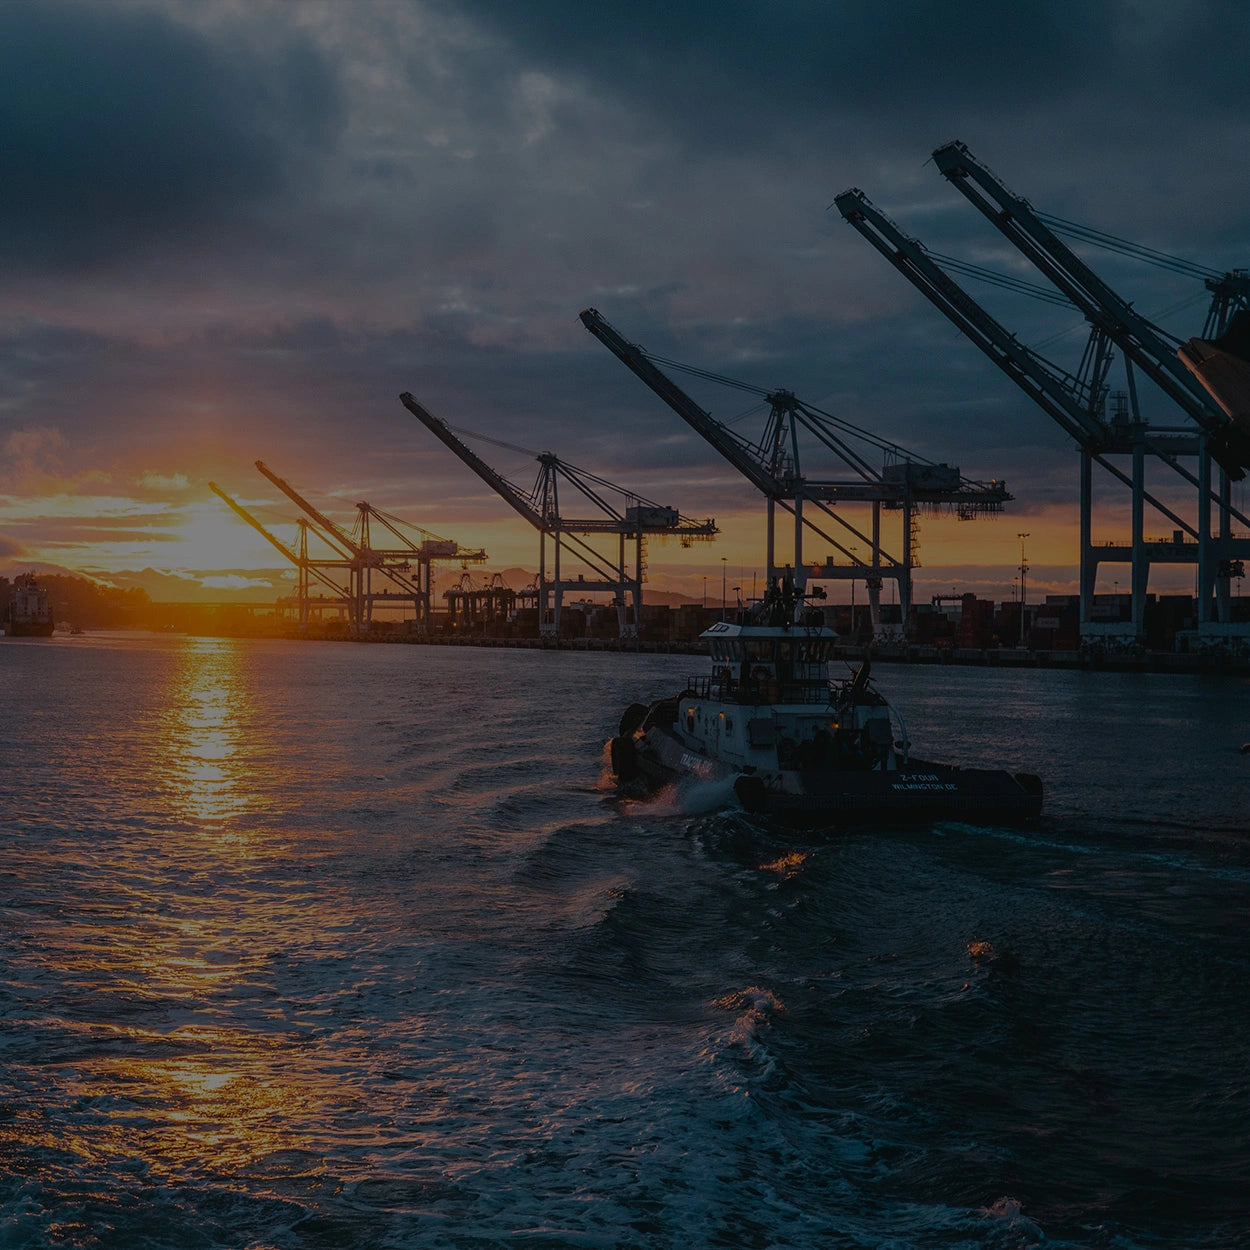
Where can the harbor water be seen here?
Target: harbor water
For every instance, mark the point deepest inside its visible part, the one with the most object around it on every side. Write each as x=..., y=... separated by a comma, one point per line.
x=326, y=945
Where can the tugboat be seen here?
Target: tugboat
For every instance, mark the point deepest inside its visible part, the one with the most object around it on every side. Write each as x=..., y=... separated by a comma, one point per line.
x=799, y=747
x=30, y=613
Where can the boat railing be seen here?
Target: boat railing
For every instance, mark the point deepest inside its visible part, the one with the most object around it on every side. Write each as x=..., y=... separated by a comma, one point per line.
x=754, y=691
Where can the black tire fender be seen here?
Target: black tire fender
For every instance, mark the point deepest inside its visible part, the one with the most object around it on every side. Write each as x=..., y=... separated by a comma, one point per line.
x=624, y=759
x=632, y=717
x=752, y=793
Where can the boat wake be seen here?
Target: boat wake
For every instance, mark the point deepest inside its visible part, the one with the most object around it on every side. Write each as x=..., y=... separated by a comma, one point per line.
x=695, y=798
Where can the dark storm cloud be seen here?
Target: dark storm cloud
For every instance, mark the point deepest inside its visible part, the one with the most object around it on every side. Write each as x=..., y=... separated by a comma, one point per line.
x=1197, y=44
x=1119, y=112
x=122, y=127
x=739, y=71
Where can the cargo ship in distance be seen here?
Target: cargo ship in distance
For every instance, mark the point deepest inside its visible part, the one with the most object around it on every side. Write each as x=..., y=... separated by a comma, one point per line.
x=29, y=612
x=796, y=746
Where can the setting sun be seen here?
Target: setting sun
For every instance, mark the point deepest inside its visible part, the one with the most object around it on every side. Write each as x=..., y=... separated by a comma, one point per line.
x=211, y=537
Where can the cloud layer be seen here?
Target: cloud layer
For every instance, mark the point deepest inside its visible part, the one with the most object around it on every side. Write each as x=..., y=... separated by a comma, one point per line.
x=237, y=232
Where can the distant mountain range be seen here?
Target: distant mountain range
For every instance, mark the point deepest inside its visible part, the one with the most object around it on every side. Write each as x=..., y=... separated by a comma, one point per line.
x=266, y=585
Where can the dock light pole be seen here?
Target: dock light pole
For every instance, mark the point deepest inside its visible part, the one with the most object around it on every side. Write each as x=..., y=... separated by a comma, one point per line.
x=854, y=554
x=705, y=590
x=722, y=586
x=1024, y=568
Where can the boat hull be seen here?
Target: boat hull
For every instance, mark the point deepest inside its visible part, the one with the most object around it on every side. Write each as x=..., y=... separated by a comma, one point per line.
x=915, y=793
x=29, y=629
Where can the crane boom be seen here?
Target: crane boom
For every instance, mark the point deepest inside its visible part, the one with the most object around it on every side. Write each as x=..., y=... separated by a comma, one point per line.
x=329, y=526
x=1138, y=338
x=1059, y=394
x=1078, y=402
x=431, y=547
x=772, y=464
x=1075, y=405
x=735, y=449
x=297, y=560
x=906, y=482
x=496, y=481
x=541, y=508
x=243, y=514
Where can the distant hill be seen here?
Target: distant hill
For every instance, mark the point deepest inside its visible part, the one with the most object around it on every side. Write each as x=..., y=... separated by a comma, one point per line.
x=94, y=604
x=88, y=604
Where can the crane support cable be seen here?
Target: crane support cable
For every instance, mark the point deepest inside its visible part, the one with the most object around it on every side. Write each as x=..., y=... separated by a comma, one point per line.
x=1005, y=280
x=846, y=427
x=1047, y=296
x=571, y=471
x=495, y=442
x=839, y=423
x=1126, y=247
x=753, y=411
x=706, y=374
x=408, y=525
x=580, y=477
x=1167, y=335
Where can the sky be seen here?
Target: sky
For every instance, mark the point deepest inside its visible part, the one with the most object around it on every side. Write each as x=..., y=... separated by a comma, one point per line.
x=236, y=231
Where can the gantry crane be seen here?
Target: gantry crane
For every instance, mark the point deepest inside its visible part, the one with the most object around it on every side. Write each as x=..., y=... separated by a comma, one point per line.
x=1139, y=339
x=431, y=550
x=491, y=604
x=540, y=506
x=395, y=565
x=306, y=567
x=1078, y=402
x=907, y=483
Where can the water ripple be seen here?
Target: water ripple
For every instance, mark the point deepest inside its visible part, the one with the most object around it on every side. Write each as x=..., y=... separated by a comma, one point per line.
x=329, y=945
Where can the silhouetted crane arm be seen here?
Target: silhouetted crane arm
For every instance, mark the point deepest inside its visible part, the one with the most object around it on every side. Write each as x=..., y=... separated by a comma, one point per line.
x=275, y=541
x=333, y=531
x=736, y=450
x=242, y=512
x=1072, y=405
x=431, y=547
x=496, y=481
x=1138, y=338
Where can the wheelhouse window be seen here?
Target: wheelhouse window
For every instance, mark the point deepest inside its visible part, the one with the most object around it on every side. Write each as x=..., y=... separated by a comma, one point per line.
x=811, y=650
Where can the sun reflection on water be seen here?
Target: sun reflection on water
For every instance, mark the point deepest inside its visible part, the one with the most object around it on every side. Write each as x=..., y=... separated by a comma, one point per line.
x=187, y=1046
x=206, y=749
x=220, y=1109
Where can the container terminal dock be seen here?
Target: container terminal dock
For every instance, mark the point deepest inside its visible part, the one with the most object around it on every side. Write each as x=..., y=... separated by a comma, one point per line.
x=953, y=629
